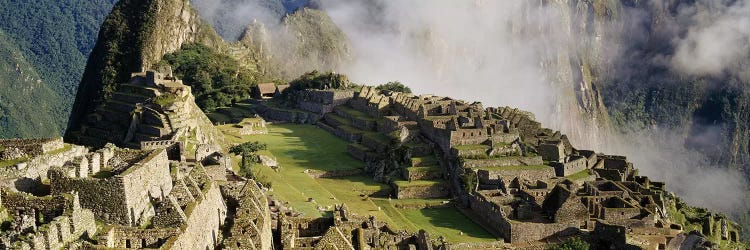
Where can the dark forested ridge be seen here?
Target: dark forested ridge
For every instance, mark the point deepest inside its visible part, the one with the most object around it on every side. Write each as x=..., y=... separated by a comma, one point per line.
x=55, y=37
x=27, y=105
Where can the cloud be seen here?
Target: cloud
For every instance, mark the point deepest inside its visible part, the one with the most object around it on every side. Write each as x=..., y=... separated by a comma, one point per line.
x=717, y=40
x=522, y=54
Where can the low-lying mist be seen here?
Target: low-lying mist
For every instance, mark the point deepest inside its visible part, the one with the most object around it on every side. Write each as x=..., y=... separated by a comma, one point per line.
x=518, y=53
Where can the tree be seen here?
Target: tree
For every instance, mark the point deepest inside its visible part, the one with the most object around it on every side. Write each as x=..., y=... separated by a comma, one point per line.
x=247, y=150
x=573, y=244
x=217, y=80
x=394, y=86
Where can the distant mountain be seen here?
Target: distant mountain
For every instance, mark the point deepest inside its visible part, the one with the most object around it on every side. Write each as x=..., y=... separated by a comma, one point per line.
x=55, y=37
x=27, y=105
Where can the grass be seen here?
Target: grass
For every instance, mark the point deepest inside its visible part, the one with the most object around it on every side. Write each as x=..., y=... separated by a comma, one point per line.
x=447, y=222
x=339, y=119
x=379, y=137
x=356, y=113
x=12, y=162
x=415, y=183
x=300, y=147
x=512, y=168
x=580, y=175
x=424, y=161
x=65, y=148
x=430, y=168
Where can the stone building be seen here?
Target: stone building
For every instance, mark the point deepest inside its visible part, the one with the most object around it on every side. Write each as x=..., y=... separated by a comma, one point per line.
x=526, y=183
x=122, y=192
x=265, y=90
x=153, y=107
x=44, y=222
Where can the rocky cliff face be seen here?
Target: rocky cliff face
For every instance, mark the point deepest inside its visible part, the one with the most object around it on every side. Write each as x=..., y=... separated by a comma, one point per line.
x=127, y=44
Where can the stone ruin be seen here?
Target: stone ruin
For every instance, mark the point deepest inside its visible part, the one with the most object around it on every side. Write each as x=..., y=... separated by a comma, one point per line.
x=128, y=199
x=252, y=126
x=522, y=182
x=153, y=110
x=44, y=222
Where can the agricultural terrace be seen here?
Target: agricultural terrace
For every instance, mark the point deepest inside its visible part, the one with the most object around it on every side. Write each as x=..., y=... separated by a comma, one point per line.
x=305, y=148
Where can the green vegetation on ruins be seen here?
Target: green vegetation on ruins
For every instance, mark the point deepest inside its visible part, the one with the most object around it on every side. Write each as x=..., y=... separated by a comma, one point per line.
x=394, y=86
x=216, y=79
x=572, y=244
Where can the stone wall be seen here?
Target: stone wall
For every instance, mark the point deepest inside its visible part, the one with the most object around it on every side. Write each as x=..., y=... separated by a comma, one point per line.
x=29, y=175
x=468, y=136
x=175, y=149
x=502, y=162
x=574, y=165
x=287, y=115
x=146, y=180
x=205, y=218
x=436, y=190
x=490, y=213
x=494, y=176
x=552, y=151
x=105, y=197
x=251, y=224
x=531, y=231
x=168, y=213
x=17, y=203
x=136, y=238
x=124, y=199
x=64, y=219
x=33, y=147
x=63, y=230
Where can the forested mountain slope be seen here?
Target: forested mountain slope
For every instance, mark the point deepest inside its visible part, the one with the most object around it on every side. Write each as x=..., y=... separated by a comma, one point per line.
x=55, y=37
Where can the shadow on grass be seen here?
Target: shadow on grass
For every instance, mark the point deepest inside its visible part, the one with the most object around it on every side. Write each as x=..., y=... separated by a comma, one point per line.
x=310, y=147
x=453, y=219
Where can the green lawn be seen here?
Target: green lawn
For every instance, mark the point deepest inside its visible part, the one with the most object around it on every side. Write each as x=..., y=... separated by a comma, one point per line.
x=580, y=175
x=356, y=113
x=300, y=147
x=447, y=222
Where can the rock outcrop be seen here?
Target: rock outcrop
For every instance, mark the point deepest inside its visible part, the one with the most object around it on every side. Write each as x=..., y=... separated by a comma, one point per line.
x=128, y=44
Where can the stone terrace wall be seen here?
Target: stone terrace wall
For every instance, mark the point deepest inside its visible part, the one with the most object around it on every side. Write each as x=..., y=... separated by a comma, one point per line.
x=148, y=179
x=287, y=115
x=205, y=218
x=489, y=176
x=501, y=162
x=492, y=215
x=105, y=197
x=33, y=146
x=529, y=231
x=322, y=101
x=22, y=203
x=133, y=237
x=432, y=191
x=63, y=230
x=37, y=167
